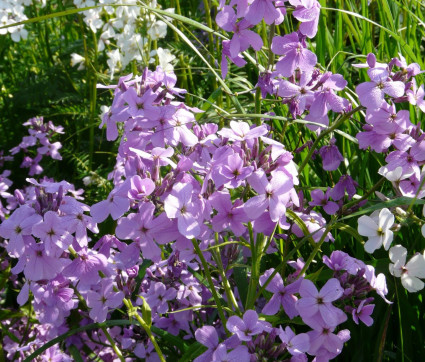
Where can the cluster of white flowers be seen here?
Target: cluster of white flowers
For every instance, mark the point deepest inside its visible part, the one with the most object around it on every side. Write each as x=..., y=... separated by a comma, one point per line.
x=119, y=35
x=377, y=227
x=12, y=11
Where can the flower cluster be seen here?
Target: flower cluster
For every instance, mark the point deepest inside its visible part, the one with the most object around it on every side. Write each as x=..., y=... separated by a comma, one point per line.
x=40, y=136
x=12, y=11
x=120, y=36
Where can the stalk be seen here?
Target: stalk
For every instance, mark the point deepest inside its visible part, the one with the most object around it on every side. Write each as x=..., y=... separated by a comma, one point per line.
x=112, y=342
x=325, y=133
x=225, y=282
x=210, y=282
x=144, y=325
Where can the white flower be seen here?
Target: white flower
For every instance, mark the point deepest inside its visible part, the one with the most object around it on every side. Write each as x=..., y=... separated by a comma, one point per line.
x=165, y=58
x=410, y=272
x=377, y=228
x=114, y=58
x=77, y=59
x=157, y=30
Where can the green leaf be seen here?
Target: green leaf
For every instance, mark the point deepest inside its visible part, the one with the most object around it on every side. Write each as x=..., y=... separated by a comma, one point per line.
x=146, y=312
x=405, y=46
x=50, y=16
x=195, y=350
x=385, y=204
x=75, y=353
x=241, y=279
x=314, y=276
x=209, y=102
x=170, y=338
x=65, y=335
x=348, y=229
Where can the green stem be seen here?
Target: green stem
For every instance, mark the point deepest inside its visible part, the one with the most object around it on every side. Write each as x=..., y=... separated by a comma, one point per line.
x=133, y=312
x=324, y=133
x=365, y=196
x=225, y=281
x=93, y=96
x=281, y=265
x=210, y=282
x=271, y=54
x=257, y=102
x=112, y=342
x=416, y=196
x=400, y=323
x=315, y=250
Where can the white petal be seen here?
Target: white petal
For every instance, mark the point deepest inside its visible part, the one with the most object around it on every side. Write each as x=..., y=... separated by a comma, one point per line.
x=412, y=284
x=398, y=254
x=367, y=227
x=387, y=239
x=386, y=219
x=416, y=266
x=372, y=244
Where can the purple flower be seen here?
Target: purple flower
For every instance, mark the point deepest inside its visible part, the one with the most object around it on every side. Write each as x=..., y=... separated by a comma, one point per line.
x=313, y=302
x=324, y=343
x=247, y=327
x=115, y=205
x=37, y=265
x=50, y=149
x=416, y=96
x=273, y=194
x=300, y=94
x=140, y=188
x=234, y=171
x=101, y=301
x=241, y=131
x=239, y=354
x=143, y=227
x=53, y=232
x=260, y=9
x=207, y=335
x=342, y=261
x=307, y=12
x=345, y=183
x=179, y=205
x=371, y=94
x=331, y=157
x=282, y=295
x=295, y=55
x=319, y=198
x=363, y=313
x=85, y=268
x=159, y=295
x=54, y=300
x=239, y=61
x=17, y=226
x=242, y=38
x=295, y=344
x=230, y=216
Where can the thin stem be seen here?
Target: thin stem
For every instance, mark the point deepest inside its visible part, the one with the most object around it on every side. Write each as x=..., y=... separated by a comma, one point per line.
x=225, y=282
x=416, y=196
x=365, y=196
x=315, y=250
x=210, y=282
x=133, y=312
x=400, y=323
x=325, y=133
x=281, y=265
x=271, y=54
x=112, y=342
